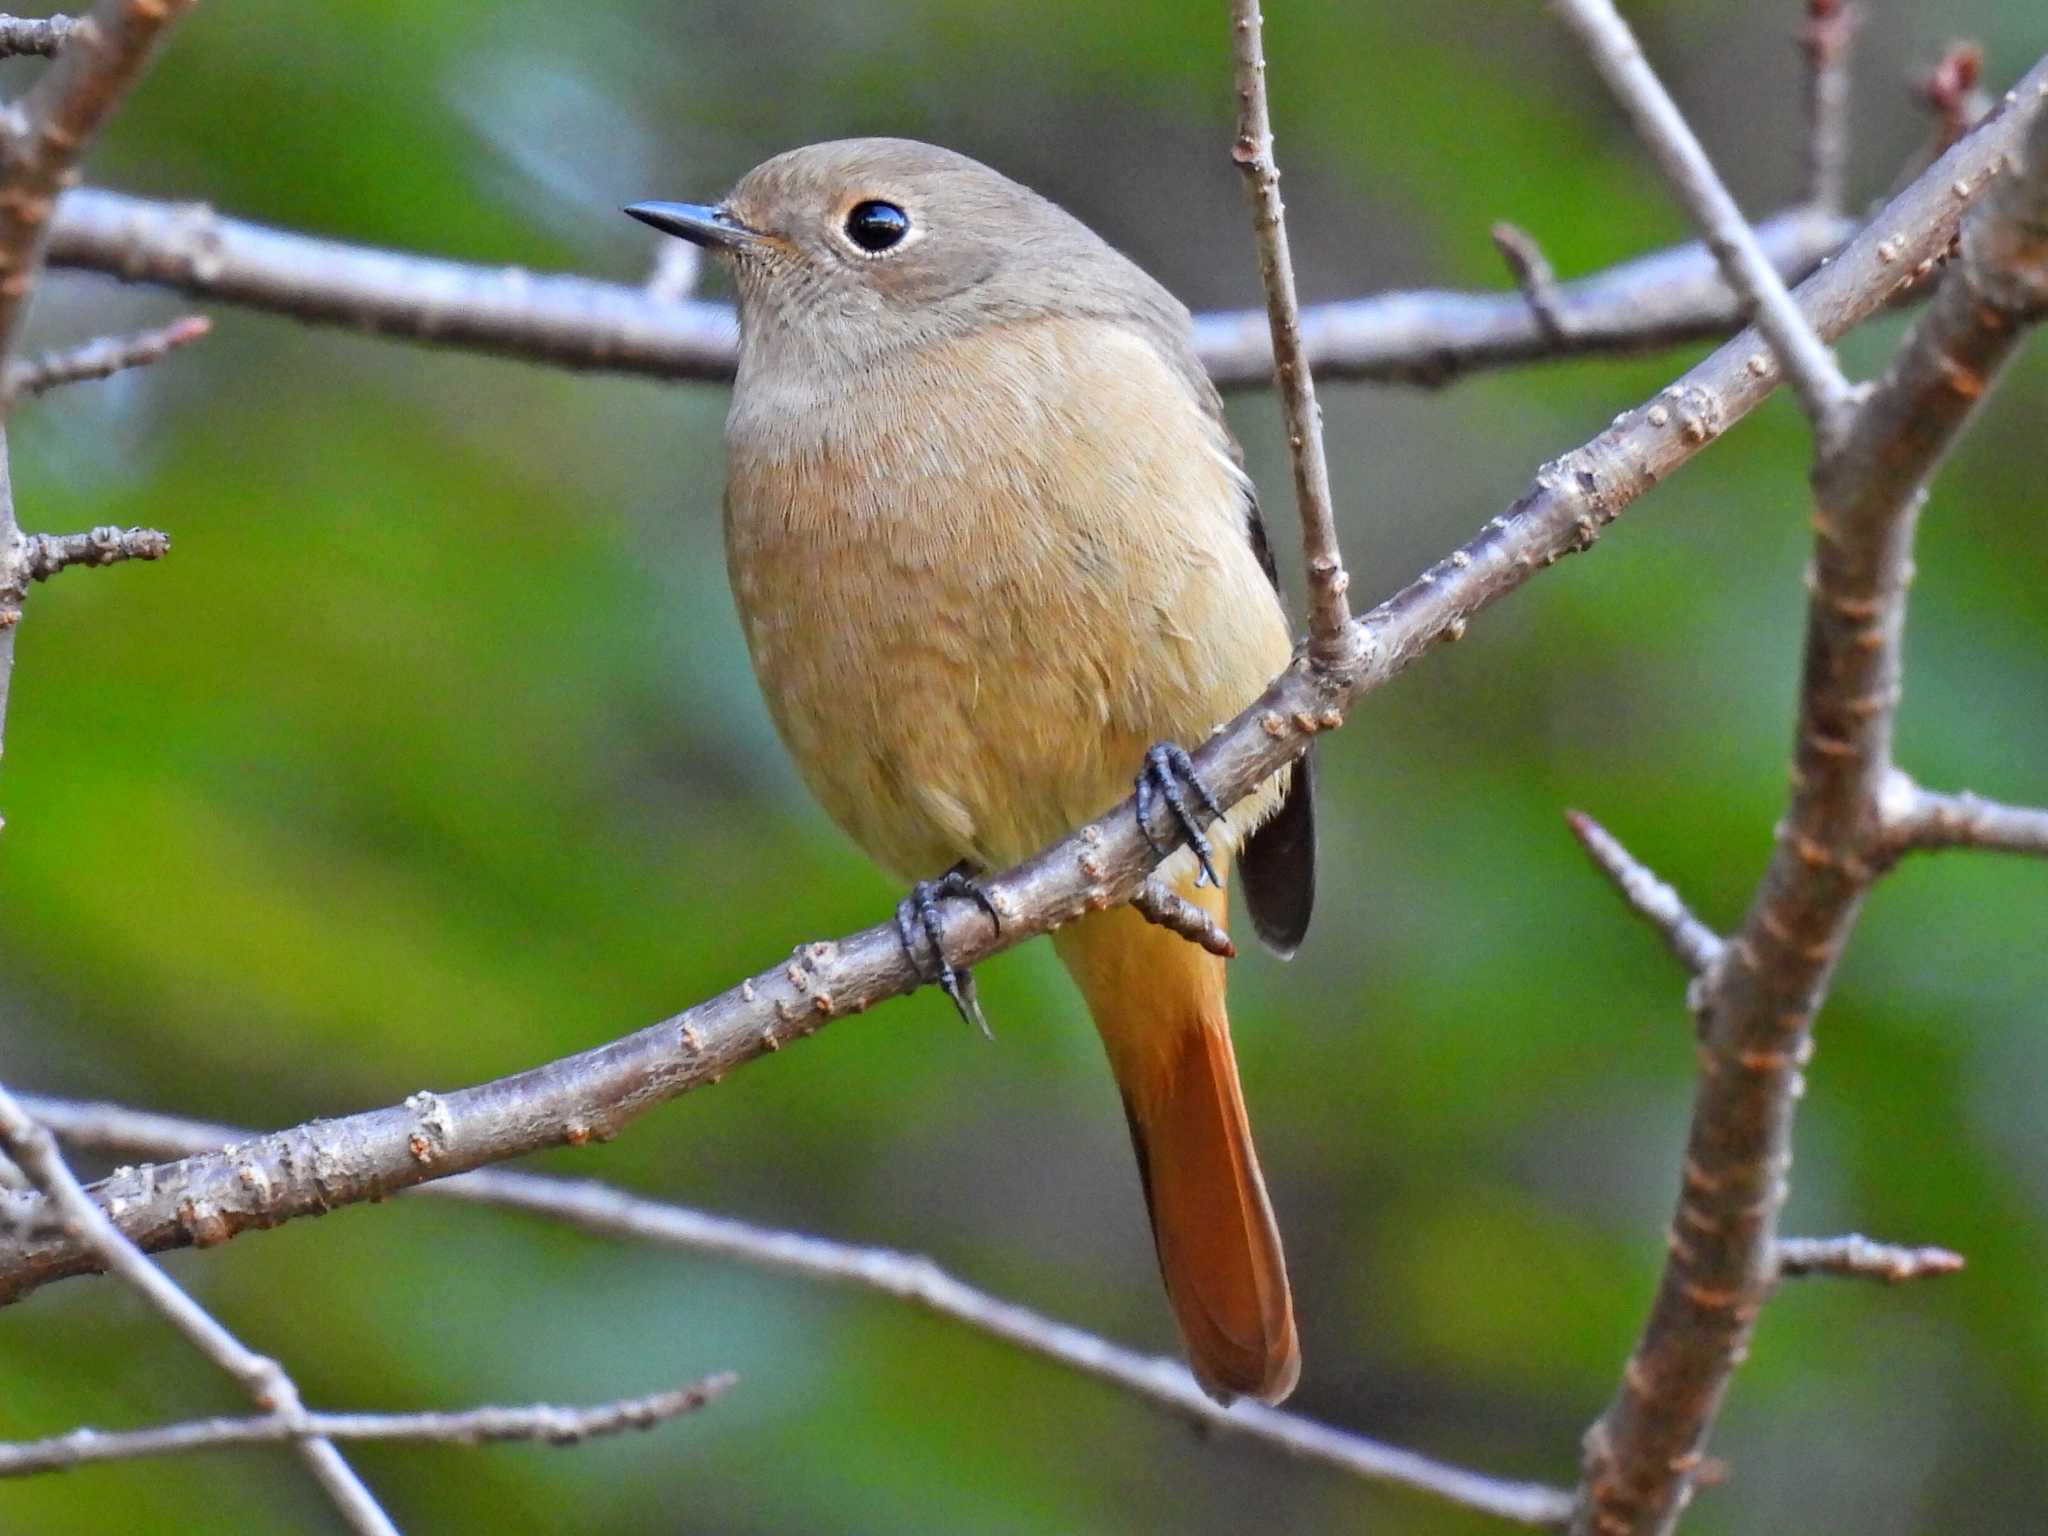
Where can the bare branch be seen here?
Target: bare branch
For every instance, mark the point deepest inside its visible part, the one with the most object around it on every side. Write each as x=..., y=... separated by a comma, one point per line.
x=40, y=35
x=35, y=1153
x=598, y=1208
x=1756, y=1017
x=1533, y=276
x=1161, y=904
x=1329, y=610
x=369, y=1155
x=45, y=554
x=1696, y=945
x=14, y=580
x=1824, y=38
x=1916, y=819
x=1860, y=1257
x=677, y=266
x=102, y=56
x=1808, y=364
x=1424, y=338
x=100, y=359
x=476, y=1426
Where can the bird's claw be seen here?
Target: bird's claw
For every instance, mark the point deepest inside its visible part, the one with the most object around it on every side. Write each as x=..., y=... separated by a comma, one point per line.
x=920, y=911
x=1167, y=768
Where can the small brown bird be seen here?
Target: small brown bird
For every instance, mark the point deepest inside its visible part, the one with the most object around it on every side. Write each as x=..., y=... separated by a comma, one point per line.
x=995, y=548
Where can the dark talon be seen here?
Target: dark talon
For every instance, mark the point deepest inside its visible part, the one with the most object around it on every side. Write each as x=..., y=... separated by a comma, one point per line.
x=957, y=982
x=1167, y=768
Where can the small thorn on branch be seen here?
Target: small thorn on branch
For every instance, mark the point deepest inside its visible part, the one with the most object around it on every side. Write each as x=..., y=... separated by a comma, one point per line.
x=101, y=359
x=1858, y=1256
x=45, y=554
x=40, y=36
x=1533, y=276
x=1695, y=944
x=1156, y=903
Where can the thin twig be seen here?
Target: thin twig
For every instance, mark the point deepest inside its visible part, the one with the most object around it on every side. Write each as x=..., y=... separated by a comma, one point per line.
x=543, y=1422
x=1422, y=338
x=45, y=554
x=102, y=358
x=317, y=1167
x=14, y=580
x=1920, y=819
x=38, y=35
x=1756, y=1016
x=1161, y=904
x=1824, y=37
x=114, y=1131
x=1860, y=1257
x=1808, y=364
x=1533, y=277
x=1695, y=944
x=263, y=1379
x=102, y=56
x=1950, y=91
x=1329, y=610
x=678, y=264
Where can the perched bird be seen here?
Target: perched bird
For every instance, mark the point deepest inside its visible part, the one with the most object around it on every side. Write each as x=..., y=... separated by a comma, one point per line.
x=995, y=550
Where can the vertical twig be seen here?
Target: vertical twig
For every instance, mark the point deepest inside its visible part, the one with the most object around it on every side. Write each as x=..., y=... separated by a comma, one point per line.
x=13, y=585
x=35, y=1152
x=1824, y=37
x=1329, y=611
x=1809, y=366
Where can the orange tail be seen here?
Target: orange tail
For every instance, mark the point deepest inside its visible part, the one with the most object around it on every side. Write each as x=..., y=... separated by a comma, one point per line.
x=1158, y=1004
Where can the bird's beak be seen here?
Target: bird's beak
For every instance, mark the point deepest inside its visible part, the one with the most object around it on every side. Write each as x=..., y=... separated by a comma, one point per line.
x=713, y=228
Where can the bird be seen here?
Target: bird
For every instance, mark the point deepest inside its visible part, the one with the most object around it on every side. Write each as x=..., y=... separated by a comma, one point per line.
x=997, y=557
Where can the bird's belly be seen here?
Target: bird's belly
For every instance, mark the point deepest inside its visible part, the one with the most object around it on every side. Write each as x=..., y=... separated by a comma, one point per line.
x=933, y=716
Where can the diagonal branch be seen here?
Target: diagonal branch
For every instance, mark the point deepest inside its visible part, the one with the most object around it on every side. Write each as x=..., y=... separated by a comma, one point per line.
x=543, y=1422
x=1696, y=946
x=1756, y=1018
x=1329, y=610
x=598, y=1208
x=263, y=1379
x=1808, y=364
x=1425, y=338
x=314, y=1168
x=38, y=35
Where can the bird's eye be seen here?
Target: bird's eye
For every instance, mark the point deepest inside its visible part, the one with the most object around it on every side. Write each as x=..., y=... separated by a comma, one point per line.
x=875, y=226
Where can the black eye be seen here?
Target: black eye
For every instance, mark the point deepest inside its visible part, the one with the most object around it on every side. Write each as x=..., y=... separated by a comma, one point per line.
x=875, y=226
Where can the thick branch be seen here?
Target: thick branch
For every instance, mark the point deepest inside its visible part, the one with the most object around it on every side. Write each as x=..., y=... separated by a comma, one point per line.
x=263, y=1379
x=1696, y=946
x=99, y=359
x=1916, y=818
x=1757, y=1016
x=1808, y=364
x=598, y=1208
x=1423, y=338
x=476, y=1426
x=1329, y=610
x=100, y=59
x=314, y=1168
x=1861, y=1258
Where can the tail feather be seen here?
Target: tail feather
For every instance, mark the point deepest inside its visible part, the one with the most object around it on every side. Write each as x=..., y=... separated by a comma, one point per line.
x=1158, y=1003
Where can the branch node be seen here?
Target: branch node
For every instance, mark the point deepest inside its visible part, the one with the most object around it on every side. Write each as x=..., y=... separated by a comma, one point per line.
x=1158, y=903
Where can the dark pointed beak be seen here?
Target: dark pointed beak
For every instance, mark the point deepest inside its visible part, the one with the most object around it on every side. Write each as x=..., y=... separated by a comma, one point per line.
x=713, y=228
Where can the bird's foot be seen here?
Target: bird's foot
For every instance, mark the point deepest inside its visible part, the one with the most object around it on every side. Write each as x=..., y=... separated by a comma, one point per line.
x=1168, y=775
x=920, y=911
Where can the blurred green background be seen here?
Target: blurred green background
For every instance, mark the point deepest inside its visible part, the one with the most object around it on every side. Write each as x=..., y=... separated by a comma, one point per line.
x=432, y=753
